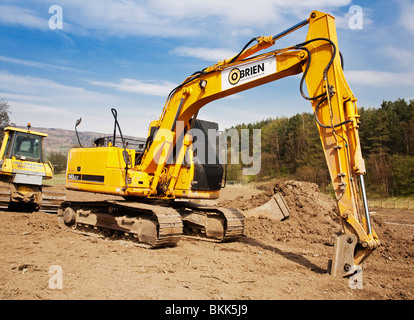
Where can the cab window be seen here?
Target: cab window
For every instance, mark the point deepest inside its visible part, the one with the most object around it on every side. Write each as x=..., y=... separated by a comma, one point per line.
x=27, y=147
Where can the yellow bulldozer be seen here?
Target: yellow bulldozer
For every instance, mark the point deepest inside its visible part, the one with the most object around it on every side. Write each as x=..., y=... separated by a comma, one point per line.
x=23, y=170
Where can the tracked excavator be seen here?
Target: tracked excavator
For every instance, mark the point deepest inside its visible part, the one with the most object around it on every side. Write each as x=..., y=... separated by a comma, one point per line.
x=159, y=183
x=23, y=170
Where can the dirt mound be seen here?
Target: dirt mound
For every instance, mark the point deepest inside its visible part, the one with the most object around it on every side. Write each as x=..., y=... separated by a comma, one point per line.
x=312, y=213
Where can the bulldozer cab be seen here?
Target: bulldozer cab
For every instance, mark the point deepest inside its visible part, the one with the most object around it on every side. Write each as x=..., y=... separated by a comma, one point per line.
x=23, y=145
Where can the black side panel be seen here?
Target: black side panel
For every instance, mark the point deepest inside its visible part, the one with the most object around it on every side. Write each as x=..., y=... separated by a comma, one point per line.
x=207, y=175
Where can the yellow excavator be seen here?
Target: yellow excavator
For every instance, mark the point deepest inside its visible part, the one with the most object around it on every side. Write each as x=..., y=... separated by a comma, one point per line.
x=22, y=171
x=154, y=182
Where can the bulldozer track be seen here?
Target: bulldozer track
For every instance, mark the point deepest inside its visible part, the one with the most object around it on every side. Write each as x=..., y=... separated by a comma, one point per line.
x=143, y=224
x=51, y=200
x=50, y=203
x=4, y=195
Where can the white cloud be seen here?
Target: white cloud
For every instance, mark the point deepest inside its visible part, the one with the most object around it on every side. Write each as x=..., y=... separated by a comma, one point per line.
x=405, y=57
x=47, y=103
x=214, y=54
x=13, y=15
x=242, y=12
x=354, y=19
x=234, y=12
x=163, y=17
x=122, y=18
x=407, y=14
x=380, y=79
x=150, y=87
x=30, y=107
x=36, y=64
x=38, y=86
x=50, y=104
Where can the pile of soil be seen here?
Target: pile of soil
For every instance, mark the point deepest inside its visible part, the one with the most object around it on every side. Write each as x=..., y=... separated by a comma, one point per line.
x=313, y=215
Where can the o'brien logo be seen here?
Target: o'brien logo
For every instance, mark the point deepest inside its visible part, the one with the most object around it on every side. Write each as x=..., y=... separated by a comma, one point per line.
x=236, y=74
x=247, y=72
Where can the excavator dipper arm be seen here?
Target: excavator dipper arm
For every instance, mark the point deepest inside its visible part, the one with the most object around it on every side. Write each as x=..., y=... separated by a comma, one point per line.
x=334, y=107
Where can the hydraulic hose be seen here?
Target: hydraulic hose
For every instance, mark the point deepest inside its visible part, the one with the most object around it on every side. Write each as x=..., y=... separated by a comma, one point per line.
x=322, y=96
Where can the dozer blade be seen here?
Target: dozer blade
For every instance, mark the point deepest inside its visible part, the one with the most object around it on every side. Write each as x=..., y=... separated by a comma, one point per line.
x=210, y=223
x=146, y=225
x=20, y=197
x=51, y=200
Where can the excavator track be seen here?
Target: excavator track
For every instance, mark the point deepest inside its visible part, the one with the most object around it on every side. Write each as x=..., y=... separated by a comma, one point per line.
x=210, y=223
x=151, y=225
x=146, y=225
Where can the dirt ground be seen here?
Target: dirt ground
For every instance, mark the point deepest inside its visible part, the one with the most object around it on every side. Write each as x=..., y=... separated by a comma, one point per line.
x=273, y=260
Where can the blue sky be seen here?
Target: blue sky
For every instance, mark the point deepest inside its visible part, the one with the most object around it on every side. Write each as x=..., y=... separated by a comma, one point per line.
x=129, y=55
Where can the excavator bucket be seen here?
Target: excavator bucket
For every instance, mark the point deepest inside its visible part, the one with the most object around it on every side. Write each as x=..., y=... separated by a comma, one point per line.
x=275, y=208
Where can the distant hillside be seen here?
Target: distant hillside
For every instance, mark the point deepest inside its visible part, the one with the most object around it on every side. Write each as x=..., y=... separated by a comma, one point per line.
x=62, y=140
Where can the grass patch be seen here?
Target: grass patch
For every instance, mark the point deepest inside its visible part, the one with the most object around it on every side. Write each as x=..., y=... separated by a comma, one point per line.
x=392, y=203
x=58, y=179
